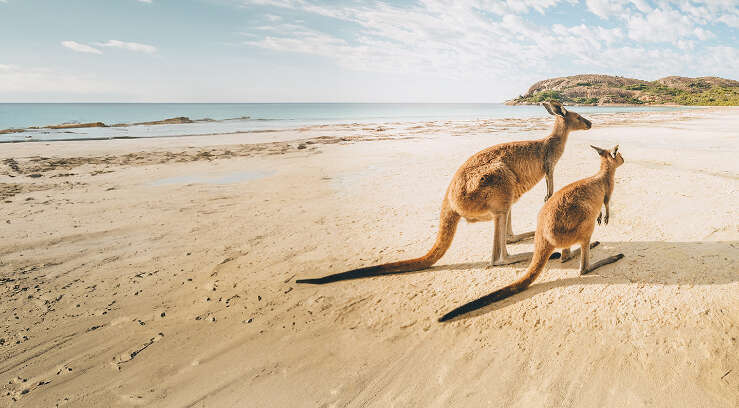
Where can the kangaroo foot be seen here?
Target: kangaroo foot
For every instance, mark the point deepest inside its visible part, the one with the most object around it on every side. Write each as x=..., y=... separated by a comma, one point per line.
x=571, y=254
x=510, y=239
x=606, y=261
x=566, y=255
x=511, y=259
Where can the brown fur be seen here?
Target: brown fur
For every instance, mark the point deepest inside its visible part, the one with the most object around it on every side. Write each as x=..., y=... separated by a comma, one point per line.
x=484, y=188
x=567, y=218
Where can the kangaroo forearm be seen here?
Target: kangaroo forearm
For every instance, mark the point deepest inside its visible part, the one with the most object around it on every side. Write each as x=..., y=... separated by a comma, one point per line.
x=549, y=175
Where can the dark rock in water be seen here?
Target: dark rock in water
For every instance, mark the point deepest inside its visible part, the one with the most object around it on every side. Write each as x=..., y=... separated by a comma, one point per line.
x=170, y=121
x=11, y=130
x=76, y=125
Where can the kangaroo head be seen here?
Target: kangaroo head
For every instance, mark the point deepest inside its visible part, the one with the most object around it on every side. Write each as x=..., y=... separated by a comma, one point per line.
x=612, y=158
x=573, y=121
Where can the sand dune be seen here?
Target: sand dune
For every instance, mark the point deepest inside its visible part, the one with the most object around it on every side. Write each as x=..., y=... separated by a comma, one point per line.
x=161, y=272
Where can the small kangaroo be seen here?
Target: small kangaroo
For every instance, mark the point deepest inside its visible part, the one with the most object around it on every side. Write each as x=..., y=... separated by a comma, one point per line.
x=568, y=218
x=484, y=188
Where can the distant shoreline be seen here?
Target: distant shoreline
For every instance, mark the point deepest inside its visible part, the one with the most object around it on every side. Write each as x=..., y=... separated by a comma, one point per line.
x=394, y=128
x=169, y=121
x=95, y=122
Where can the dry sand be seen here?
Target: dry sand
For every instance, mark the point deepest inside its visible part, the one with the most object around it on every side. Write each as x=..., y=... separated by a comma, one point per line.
x=161, y=272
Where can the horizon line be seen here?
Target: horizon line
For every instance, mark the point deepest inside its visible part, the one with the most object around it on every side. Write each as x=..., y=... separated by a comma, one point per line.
x=264, y=103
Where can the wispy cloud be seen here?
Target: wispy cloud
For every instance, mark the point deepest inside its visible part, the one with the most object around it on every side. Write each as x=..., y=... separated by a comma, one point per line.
x=664, y=25
x=435, y=38
x=75, y=46
x=730, y=20
x=145, y=1
x=426, y=38
x=699, y=12
x=131, y=46
x=494, y=38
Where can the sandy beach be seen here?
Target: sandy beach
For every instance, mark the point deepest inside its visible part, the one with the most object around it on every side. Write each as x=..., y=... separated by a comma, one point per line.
x=160, y=272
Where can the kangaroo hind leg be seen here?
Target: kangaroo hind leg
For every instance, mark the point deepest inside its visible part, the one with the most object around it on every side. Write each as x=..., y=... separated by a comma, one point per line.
x=500, y=254
x=567, y=254
x=513, y=238
x=585, y=266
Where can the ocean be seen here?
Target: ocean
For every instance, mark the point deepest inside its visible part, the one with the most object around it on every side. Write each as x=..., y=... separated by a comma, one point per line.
x=218, y=118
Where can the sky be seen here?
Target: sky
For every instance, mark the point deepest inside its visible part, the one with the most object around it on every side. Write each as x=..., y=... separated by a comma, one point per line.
x=348, y=51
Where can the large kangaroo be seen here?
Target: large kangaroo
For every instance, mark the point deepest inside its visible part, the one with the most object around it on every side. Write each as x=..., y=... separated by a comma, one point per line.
x=484, y=188
x=568, y=218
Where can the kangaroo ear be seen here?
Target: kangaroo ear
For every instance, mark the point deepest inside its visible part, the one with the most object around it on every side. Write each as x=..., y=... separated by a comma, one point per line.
x=548, y=107
x=555, y=108
x=599, y=150
x=615, y=150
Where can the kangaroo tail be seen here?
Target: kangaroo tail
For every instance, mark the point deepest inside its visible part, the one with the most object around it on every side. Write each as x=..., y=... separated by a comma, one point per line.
x=542, y=251
x=447, y=228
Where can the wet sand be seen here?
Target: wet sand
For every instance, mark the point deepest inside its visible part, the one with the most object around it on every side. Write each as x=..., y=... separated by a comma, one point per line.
x=160, y=272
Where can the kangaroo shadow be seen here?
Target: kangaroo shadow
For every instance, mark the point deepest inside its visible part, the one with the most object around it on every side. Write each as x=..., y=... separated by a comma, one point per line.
x=377, y=270
x=652, y=262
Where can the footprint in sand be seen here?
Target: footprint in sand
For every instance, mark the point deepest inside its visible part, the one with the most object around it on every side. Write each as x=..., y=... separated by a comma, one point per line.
x=125, y=357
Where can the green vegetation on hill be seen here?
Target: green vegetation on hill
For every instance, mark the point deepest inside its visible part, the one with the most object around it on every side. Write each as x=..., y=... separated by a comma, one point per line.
x=605, y=89
x=720, y=96
x=546, y=96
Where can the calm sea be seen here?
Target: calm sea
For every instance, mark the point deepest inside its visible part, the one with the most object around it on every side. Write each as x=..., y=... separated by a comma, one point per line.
x=214, y=118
